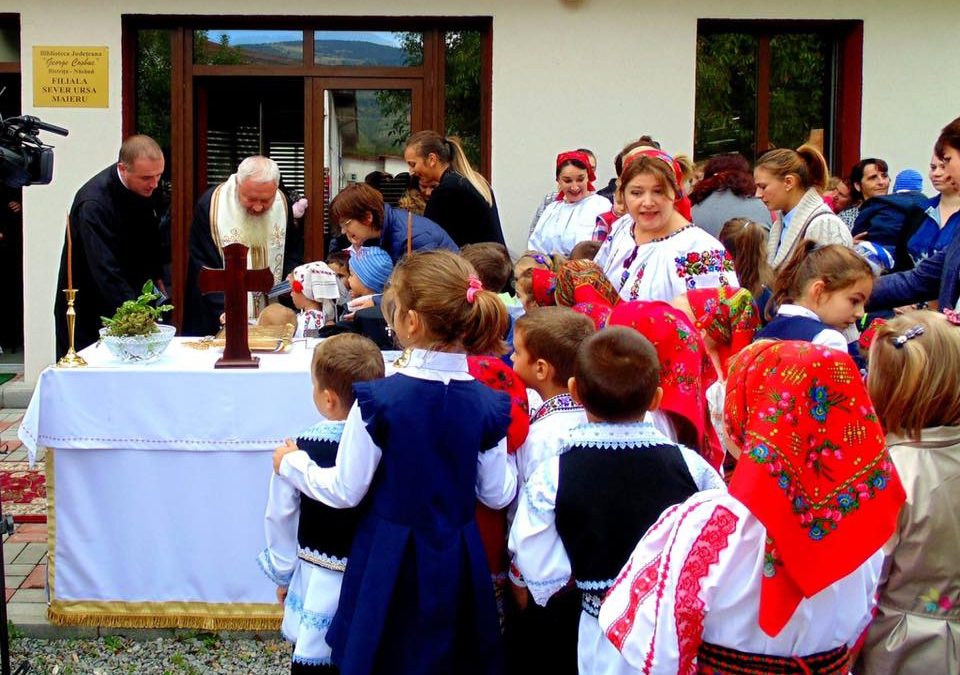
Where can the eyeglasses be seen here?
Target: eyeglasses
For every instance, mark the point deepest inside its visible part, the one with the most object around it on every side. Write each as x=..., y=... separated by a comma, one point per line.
x=343, y=225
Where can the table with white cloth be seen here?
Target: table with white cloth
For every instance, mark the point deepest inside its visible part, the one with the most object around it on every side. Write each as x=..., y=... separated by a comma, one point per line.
x=157, y=479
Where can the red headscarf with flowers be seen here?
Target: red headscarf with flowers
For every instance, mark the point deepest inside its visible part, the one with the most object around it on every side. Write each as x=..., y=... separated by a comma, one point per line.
x=582, y=158
x=584, y=281
x=685, y=367
x=497, y=375
x=681, y=202
x=728, y=317
x=814, y=468
x=544, y=287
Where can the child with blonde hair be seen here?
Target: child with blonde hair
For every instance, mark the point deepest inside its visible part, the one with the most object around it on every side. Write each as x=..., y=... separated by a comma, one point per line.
x=914, y=383
x=426, y=443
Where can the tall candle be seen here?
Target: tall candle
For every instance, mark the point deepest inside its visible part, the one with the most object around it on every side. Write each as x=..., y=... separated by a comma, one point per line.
x=69, y=256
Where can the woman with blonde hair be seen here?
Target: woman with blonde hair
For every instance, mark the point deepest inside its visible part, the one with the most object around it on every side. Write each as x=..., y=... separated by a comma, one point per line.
x=790, y=182
x=462, y=202
x=914, y=383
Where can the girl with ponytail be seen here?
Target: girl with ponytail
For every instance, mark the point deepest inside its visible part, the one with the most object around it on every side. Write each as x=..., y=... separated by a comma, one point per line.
x=790, y=183
x=462, y=202
x=420, y=447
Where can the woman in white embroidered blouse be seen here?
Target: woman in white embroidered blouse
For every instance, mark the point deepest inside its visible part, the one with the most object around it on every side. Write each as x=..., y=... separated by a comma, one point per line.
x=653, y=252
x=572, y=217
x=790, y=182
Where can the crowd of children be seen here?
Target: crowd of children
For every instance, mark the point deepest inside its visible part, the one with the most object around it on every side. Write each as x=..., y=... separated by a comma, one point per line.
x=608, y=457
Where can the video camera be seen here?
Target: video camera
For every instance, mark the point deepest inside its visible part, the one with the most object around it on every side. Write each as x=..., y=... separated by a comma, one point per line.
x=24, y=159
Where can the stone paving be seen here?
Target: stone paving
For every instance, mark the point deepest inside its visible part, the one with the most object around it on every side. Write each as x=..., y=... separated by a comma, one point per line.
x=24, y=551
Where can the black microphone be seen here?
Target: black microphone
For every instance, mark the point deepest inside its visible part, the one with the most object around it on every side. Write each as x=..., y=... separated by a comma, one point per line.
x=36, y=123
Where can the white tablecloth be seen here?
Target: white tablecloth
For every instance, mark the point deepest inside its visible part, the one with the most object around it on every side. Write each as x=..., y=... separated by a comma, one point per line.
x=159, y=483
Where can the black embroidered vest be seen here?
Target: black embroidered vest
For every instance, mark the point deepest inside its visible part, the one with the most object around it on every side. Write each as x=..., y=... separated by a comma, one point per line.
x=322, y=529
x=607, y=498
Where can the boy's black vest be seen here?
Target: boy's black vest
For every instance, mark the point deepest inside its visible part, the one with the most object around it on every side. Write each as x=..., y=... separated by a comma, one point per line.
x=607, y=498
x=324, y=534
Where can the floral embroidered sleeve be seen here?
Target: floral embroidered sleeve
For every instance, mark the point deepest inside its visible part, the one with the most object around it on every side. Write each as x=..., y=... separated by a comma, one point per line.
x=710, y=268
x=535, y=543
x=655, y=611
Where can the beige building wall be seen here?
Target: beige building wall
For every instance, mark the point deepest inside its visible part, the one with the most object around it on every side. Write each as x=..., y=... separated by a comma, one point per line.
x=566, y=73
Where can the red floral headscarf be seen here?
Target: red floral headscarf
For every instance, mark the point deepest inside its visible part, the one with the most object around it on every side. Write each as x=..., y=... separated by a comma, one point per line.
x=598, y=312
x=581, y=157
x=685, y=367
x=814, y=468
x=497, y=375
x=544, y=287
x=728, y=316
x=584, y=281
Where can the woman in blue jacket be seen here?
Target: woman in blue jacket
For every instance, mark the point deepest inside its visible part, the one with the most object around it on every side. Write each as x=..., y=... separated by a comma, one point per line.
x=936, y=277
x=362, y=215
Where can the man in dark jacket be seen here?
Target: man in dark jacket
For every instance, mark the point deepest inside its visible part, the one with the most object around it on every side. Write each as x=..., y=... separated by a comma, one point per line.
x=115, y=228
x=362, y=214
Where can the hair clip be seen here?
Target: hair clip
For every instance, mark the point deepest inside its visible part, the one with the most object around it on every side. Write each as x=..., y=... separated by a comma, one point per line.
x=474, y=287
x=953, y=316
x=901, y=340
x=539, y=258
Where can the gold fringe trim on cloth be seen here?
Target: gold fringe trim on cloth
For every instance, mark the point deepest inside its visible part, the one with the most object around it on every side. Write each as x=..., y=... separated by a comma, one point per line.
x=195, y=615
x=116, y=614
x=50, y=481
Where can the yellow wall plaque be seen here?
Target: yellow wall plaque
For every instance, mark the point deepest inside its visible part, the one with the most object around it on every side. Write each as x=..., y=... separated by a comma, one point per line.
x=70, y=77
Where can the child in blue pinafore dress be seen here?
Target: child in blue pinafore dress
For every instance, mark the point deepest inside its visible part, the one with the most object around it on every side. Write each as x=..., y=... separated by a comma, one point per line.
x=424, y=444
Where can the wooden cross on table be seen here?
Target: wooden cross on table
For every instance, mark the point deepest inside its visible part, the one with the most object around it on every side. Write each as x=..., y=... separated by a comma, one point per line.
x=235, y=280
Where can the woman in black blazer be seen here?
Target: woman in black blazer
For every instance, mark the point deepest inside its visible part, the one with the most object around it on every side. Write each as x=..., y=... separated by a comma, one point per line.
x=461, y=201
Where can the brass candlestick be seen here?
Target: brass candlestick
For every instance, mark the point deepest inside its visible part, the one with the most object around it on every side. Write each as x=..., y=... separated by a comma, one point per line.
x=71, y=359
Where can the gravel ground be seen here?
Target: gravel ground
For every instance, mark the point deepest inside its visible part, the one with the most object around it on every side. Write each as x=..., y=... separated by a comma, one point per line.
x=204, y=653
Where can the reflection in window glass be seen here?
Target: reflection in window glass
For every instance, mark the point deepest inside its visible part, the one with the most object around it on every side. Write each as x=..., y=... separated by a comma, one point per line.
x=248, y=47
x=153, y=86
x=10, y=44
x=366, y=131
x=462, y=93
x=367, y=48
x=725, y=118
x=799, y=88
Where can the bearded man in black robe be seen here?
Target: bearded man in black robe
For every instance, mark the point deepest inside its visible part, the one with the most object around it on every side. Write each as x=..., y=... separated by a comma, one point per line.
x=249, y=208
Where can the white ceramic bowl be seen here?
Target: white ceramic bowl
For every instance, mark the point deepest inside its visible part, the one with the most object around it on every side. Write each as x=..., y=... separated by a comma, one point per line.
x=139, y=348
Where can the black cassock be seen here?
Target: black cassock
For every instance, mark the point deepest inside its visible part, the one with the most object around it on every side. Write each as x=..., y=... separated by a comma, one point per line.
x=116, y=249
x=201, y=313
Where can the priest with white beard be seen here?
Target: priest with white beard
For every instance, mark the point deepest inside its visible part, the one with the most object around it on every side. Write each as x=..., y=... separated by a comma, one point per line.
x=248, y=208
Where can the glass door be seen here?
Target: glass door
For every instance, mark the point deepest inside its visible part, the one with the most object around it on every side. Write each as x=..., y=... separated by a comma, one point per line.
x=359, y=129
